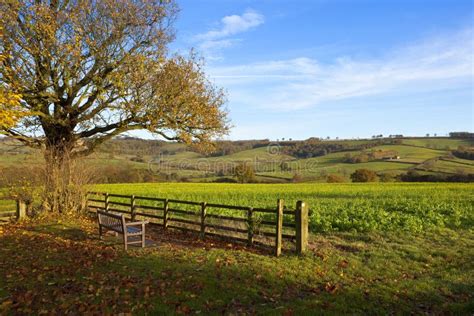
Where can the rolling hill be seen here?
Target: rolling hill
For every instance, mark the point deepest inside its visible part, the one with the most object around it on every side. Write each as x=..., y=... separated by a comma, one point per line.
x=162, y=161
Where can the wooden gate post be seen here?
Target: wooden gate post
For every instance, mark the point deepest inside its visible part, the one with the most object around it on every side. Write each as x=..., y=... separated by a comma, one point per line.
x=250, y=225
x=203, y=220
x=279, y=227
x=165, y=214
x=132, y=207
x=106, y=202
x=85, y=203
x=301, y=218
x=20, y=209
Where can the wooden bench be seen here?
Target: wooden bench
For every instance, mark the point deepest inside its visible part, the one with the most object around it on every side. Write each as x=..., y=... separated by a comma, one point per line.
x=119, y=225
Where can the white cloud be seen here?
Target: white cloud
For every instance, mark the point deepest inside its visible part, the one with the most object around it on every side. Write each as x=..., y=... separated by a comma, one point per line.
x=433, y=64
x=218, y=44
x=230, y=25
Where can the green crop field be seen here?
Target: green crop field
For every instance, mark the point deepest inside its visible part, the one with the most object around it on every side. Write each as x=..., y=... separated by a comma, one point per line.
x=336, y=207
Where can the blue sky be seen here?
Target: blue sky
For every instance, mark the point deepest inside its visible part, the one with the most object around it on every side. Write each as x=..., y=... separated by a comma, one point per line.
x=303, y=68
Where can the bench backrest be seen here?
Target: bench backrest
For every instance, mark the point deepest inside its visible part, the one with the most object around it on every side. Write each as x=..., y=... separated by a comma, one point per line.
x=111, y=221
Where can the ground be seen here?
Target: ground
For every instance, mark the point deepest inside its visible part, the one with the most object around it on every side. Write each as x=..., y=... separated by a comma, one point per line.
x=58, y=265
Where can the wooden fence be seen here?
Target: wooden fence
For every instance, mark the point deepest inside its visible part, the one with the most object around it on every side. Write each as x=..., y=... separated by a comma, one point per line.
x=251, y=225
x=18, y=212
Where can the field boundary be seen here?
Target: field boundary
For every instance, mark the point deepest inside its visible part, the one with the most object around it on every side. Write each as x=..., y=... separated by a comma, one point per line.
x=457, y=162
x=250, y=225
x=19, y=211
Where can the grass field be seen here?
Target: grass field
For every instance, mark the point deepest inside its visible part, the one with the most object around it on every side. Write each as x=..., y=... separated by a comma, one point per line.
x=384, y=248
x=59, y=266
x=438, y=143
x=449, y=165
x=336, y=207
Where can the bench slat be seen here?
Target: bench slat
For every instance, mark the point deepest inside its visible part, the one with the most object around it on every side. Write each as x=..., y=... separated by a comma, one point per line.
x=134, y=230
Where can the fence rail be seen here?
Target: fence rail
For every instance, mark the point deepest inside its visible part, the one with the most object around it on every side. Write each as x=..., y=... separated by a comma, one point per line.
x=17, y=212
x=250, y=225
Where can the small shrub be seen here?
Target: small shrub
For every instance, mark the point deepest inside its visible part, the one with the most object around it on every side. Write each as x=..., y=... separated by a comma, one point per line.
x=244, y=173
x=364, y=175
x=388, y=177
x=225, y=180
x=335, y=178
x=297, y=178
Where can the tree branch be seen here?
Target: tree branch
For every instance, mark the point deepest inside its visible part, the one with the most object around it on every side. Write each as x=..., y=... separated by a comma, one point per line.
x=122, y=125
x=27, y=140
x=94, y=142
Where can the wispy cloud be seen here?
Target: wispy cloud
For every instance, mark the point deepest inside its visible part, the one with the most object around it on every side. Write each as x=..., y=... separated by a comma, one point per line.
x=212, y=45
x=232, y=25
x=433, y=64
x=229, y=26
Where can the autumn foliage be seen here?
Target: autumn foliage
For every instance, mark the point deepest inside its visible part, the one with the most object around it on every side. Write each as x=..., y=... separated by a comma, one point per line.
x=10, y=111
x=77, y=73
x=364, y=175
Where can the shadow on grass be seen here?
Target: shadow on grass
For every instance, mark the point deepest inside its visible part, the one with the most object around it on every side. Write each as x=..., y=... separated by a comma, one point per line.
x=63, y=230
x=78, y=274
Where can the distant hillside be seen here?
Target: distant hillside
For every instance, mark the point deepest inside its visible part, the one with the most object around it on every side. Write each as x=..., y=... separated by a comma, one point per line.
x=138, y=160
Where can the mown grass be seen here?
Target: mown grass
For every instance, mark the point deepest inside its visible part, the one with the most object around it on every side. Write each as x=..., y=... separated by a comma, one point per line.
x=439, y=143
x=61, y=267
x=411, y=207
x=453, y=166
x=413, y=153
x=406, y=152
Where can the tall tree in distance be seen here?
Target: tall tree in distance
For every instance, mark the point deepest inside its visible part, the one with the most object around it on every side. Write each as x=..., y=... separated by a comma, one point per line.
x=87, y=70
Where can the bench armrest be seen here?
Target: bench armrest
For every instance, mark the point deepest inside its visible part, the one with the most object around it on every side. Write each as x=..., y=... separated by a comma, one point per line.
x=136, y=223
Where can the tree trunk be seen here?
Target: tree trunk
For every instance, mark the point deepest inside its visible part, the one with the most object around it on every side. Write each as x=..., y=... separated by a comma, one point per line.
x=64, y=189
x=57, y=177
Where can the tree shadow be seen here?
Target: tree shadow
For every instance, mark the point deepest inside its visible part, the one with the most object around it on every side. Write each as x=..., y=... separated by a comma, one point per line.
x=178, y=238
x=79, y=274
x=62, y=230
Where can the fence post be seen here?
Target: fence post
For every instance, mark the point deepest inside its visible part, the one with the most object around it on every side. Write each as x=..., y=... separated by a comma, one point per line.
x=106, y=202
x=132, y=207
x=250, y=226
x=203, y=220
x=20, y=209
x=301, y=218
x=165, y=214
x=279, y=227
x=85, y=203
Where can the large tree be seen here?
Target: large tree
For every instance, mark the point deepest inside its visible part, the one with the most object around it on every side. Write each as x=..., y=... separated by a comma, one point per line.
x=88, y=70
